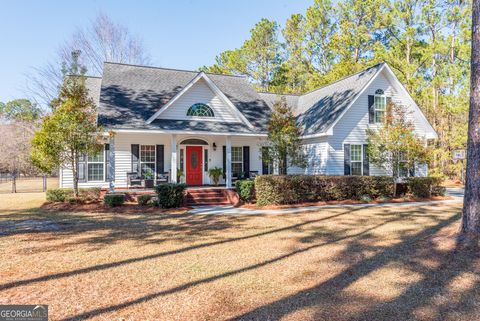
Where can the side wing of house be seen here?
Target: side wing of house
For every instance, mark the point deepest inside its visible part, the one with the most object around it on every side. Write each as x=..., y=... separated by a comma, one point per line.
x=346, y=144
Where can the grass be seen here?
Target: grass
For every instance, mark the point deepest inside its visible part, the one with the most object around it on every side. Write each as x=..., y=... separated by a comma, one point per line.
x=28, y=184
x=338, y=264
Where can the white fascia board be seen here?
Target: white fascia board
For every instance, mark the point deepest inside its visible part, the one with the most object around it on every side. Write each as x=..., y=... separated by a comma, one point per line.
x=186, y=132
x=325, y=134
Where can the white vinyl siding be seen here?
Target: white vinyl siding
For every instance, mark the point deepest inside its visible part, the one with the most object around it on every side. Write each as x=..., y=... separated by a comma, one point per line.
x=200, y=92
x=351, y=128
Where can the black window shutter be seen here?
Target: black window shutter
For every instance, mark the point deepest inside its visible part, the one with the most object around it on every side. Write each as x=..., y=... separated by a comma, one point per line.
x=264, y=160
x=135, y=148
x=224, y=161
x=412, y=171
x=246, y=161
x=160, y=160
x=346, y=159
x=371, y=109
x=366, y=164
x=107, y=162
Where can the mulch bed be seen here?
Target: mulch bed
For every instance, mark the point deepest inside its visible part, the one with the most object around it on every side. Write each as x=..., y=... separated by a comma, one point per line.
x=347, y=202
x=99, y=207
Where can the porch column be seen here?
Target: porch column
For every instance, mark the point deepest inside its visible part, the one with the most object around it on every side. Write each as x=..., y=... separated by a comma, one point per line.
x=173, y=161
x=111, y=165
x=228, y=161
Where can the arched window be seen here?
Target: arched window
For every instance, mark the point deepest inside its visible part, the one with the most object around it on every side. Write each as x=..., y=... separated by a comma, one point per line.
x=380, y=106
x=200, y=110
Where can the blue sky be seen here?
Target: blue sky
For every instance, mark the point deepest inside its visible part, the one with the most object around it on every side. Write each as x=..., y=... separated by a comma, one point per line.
x=182, y=34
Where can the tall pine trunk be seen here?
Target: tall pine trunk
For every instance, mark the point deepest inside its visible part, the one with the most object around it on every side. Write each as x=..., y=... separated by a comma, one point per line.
x=470, y=231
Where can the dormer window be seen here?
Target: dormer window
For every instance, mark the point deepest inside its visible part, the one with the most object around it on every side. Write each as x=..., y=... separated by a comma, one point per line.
x=380, y=105
x=200, y=110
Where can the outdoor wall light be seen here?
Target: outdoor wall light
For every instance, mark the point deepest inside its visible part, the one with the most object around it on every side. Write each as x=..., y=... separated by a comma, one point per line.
x=214, y=146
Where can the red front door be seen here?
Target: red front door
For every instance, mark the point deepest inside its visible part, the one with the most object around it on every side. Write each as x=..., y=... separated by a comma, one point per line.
x=194, y=165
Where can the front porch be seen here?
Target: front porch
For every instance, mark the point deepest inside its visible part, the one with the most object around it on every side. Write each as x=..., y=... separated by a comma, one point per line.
x=182, y=158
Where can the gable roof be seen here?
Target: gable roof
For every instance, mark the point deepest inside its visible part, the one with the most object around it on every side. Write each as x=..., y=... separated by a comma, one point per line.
x=318, y=110
x=131, y=94
x=213, y=87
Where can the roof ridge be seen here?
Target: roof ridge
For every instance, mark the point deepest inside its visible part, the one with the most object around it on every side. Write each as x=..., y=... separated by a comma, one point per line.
x=343, y=78
x=283, y=94
x=171, y=69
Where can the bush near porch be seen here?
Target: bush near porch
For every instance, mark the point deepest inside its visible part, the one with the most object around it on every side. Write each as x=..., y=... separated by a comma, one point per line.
x=291, y=189
x=65, y=194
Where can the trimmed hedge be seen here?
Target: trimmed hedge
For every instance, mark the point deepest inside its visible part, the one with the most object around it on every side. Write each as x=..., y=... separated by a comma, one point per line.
x=246, y=189
x=144, y=199
x=291, y=189
x=170, y=195
x=425, y=187
x=114, y=199
x=65, y=194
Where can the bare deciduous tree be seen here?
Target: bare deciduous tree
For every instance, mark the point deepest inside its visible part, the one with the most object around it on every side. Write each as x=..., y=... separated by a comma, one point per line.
x=104, y=40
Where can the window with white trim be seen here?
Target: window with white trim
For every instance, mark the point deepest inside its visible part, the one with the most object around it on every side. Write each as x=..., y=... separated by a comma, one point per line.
x=237, y=161
x=147, y=161
x=380, y=106
x=356, y=159
x=403, y=170
x=95, y=167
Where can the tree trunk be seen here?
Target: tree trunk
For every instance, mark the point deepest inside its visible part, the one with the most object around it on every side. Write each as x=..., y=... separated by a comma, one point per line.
x=75, y=175
x=470, y=231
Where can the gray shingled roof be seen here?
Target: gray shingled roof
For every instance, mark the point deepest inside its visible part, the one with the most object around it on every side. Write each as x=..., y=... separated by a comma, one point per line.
x=132, y=94
x=128, y=95
x=317, y=110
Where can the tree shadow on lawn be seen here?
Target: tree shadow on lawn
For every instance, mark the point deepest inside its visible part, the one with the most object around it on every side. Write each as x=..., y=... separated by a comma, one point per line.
x=330, y=301
x=325, y=294
x=100, y=229
x=233, y=221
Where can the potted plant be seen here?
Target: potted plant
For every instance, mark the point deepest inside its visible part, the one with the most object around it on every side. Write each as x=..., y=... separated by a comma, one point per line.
x=148, y=175
x=179, y=174
x=215, y=173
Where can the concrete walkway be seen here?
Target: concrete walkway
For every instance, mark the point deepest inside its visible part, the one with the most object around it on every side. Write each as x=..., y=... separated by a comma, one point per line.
x=456, y=193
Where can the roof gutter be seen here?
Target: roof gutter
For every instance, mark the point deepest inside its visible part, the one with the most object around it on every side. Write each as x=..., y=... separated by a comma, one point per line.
x=185, y=132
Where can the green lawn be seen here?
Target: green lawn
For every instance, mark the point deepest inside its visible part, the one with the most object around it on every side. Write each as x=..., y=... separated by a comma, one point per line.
x=389, y=263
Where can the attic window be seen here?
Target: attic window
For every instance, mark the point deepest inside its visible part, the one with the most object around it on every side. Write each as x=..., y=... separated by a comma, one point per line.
x=200, y=110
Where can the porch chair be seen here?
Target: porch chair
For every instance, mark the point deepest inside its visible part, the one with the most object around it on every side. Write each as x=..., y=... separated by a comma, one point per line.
x=162, y=178
x=134, y=180
x=253, y=174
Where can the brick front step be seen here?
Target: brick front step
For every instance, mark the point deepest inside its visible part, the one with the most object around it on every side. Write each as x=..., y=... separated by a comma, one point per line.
x=206, y=197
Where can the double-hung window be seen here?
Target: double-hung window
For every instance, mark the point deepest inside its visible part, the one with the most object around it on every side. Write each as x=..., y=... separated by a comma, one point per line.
x=147, y=161
x=356, y=157
x=95, y=167
x=403, y=165
x=380, y=106
x=237, y=161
